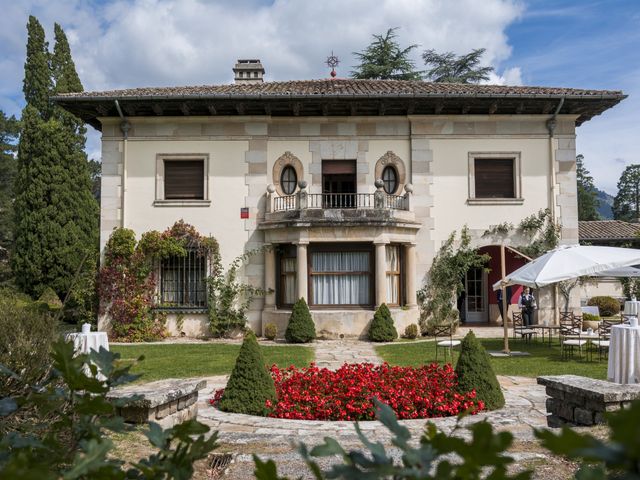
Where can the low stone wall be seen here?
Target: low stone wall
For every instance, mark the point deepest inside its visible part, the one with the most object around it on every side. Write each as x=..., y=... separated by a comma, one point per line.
x=575, y=400
x=166, y=402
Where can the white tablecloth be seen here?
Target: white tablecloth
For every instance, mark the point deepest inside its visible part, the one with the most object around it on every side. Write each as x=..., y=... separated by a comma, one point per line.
x=632, y=308
x=84, y=342
x=624, y=355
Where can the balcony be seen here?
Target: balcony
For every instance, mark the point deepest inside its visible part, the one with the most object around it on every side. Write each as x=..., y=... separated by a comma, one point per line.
x=337, y=209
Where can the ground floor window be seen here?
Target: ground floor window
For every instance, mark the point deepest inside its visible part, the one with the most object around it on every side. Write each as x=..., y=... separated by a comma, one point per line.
x=183, y=281
x=287, y=290
x=341, y=275
x=394, y=284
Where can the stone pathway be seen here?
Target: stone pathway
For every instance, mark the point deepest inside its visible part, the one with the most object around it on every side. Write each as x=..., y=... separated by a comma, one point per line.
x=332, y=354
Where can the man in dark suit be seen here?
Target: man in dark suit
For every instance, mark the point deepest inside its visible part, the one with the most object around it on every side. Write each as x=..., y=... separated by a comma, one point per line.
x=499, y=298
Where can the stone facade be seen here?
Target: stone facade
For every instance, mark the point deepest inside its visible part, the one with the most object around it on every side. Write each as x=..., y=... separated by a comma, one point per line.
x=582, y=401
x=243, y=152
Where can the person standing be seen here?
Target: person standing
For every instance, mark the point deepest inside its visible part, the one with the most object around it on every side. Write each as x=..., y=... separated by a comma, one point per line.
x=499, y=298
x=527, y=304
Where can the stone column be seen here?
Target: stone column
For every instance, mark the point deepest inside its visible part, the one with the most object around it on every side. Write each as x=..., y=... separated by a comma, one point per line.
x=410, y=275
x=270, y=277
x=381, y=274
x=301, y=271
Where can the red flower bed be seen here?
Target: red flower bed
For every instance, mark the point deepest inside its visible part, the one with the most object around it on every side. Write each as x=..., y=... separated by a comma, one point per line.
x=346, y=394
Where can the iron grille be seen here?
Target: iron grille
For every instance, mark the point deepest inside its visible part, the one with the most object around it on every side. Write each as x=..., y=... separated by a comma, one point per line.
x=183, y=281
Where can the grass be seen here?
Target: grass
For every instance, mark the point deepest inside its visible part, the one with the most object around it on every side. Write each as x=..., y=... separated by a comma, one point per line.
x=544, y=360
x=201, y=360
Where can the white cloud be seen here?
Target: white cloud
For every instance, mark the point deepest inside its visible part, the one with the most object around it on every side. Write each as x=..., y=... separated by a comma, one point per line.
x=510, y=76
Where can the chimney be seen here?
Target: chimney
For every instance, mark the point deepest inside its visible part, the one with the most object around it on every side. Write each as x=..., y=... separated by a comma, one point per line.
x=248, y=71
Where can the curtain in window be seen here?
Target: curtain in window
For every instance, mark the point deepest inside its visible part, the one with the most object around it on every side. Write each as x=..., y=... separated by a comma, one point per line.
x=393, y=274
x=340, y=278
x=289, y=281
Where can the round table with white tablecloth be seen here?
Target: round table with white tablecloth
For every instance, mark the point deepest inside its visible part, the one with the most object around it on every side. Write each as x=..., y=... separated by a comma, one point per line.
x=631, y=308
x=85, y=342
x=624, y=355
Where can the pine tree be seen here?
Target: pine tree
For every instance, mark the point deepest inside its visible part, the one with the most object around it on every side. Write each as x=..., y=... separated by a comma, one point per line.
x=626, y=204
x=38, y=83
x=587, y=197
x=449, y=68
x=56, y=216
x=384, y=59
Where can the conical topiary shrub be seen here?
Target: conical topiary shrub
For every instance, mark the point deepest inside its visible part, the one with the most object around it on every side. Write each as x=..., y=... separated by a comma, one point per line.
x=250, y=384
x=301, y=328
x=474, y=371
x=382, y=329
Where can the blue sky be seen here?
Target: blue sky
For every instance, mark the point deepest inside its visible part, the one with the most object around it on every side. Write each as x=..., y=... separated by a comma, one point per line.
x=128, y=43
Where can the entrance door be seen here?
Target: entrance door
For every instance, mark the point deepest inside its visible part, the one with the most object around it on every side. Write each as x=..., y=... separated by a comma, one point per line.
x=477, y=308
x=339, y=183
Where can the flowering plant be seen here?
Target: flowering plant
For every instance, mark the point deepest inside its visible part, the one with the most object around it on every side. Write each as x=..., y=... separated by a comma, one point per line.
x=314, y=393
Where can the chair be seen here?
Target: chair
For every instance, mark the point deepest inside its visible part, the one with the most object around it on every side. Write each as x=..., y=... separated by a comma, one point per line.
x=604, y=338
x=519, y=328
x=568, y=340
x=446, y=333
x=571, y=322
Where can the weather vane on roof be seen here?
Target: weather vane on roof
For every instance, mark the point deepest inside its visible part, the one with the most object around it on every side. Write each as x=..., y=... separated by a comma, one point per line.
x=333, y=62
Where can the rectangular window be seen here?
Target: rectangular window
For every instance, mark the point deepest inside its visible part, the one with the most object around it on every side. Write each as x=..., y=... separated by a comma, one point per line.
x=184, y=179
x=183, y=281
x=341, y=275
x=287, y=267
x=393, y=274
x=494, y=177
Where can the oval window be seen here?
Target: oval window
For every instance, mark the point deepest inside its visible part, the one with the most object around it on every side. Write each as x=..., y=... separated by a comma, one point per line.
x=390, y=179
x=288, y=180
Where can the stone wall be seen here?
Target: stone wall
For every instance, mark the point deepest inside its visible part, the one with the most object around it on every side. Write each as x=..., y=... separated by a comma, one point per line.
x=575, y=400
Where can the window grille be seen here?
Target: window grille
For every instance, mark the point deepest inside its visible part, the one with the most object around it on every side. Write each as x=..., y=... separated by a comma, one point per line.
x=183, y=281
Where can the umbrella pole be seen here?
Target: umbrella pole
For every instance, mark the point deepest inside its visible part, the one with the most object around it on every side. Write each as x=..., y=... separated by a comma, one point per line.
x=504, y=299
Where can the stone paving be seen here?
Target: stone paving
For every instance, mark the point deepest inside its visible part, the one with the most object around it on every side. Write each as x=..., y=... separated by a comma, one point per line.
x=332, y=354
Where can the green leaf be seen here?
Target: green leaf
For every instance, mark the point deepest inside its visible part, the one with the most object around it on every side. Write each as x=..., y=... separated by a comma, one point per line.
x=91, y=459
x=7, y=406
x=328, y=448
x=266, y=470
x=157, y=436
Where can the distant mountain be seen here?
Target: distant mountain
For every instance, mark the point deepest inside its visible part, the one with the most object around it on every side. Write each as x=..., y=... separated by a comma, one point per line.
x=606, y=203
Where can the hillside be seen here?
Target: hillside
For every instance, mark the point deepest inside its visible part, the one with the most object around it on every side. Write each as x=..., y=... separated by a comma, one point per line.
x=606, y=202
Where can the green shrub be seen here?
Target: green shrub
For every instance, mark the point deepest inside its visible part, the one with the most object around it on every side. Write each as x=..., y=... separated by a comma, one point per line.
x=475, y=373
x=50, y=299
x=301, y=328
x=589, y=317
x=64, y=427
x=429, y=326
x=270, y=331
x=608, y=306
x=25, y=342
x=381, y=328
x=411, y=331
x=250, y=384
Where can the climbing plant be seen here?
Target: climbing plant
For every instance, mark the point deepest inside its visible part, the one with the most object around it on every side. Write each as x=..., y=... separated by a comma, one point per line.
x=445, y=280
x=541, y=231
x=127, y=279
x=228, y=299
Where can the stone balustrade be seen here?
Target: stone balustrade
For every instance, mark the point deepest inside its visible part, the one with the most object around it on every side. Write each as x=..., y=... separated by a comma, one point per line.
x=575, y=400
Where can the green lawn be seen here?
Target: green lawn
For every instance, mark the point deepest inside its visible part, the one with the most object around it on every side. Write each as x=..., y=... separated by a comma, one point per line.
x=199, y=360
x=544, y=360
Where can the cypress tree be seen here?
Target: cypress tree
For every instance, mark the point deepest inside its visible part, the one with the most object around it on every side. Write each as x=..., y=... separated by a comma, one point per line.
x=9, y=128
x=38, y=84
x=250, y=384
x=475, y=372
x=55, y=214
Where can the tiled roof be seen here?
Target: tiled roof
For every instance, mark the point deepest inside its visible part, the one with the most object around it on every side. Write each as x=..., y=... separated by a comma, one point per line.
x=608, y=230
x=346, y=88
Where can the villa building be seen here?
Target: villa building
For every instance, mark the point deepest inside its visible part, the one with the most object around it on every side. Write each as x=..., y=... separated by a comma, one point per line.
x=355, y=183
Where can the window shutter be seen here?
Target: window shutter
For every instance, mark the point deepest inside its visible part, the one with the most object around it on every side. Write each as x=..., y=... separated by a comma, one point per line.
x=184, y=179
x=338, y=167
x=494, y=178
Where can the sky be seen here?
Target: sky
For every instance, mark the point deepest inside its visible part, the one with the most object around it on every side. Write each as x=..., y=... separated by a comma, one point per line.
x=136, y=43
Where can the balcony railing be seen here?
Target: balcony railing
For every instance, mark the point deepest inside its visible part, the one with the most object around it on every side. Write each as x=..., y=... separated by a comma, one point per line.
x=340, y=201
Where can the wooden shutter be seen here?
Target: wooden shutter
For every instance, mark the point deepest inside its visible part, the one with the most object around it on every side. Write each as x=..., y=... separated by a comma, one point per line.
x=338, y=167
x=494, y=178
x=184, y=179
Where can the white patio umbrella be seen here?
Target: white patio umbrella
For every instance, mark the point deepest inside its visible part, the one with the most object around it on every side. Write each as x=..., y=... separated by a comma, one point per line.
x=624, y=272
x=571, y=261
